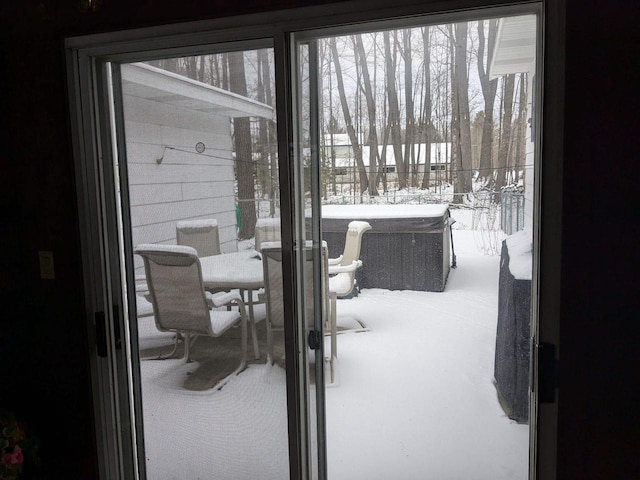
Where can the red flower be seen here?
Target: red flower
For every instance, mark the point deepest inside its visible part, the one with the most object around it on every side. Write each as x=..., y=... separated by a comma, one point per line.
x=13, y=459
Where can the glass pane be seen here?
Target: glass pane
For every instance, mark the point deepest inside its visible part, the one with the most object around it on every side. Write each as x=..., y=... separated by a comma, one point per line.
x=427, y=191
x=201, y=184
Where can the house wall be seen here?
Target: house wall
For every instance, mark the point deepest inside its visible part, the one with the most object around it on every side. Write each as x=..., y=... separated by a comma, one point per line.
x=185, y=185
x=345, y=162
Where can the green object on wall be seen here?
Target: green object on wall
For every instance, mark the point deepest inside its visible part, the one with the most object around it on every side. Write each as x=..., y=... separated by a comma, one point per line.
x=238, y=218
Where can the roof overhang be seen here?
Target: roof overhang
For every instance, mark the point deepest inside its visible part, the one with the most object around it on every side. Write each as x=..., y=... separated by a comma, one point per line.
x=151, y=83
x=515, y=50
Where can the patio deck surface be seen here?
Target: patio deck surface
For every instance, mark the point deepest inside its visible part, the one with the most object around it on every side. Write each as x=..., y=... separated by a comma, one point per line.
x=415, y=398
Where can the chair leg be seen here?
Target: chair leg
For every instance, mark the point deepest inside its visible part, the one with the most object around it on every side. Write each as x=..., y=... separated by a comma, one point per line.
x=172, y=352
x=270, y=355
x=243, y=340
x=334, y=326
x=187, y=347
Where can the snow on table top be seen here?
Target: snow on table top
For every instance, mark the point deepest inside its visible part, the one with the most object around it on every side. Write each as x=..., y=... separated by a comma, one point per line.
x=520, y=246
x=234, y=270
x=383, y=211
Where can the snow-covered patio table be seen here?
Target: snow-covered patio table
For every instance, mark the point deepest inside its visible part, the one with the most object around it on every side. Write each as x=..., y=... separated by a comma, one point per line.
x=236, y=270
x=408, y=247
x=242, y=270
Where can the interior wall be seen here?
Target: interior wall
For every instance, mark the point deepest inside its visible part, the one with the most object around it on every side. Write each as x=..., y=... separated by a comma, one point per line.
x=45, y=375
x=599, y=428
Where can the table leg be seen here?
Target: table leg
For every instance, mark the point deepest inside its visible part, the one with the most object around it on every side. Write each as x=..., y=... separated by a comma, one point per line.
x=252, y=320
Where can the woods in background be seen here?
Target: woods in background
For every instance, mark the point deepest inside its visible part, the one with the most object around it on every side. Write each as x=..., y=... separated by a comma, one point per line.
x=388, y=97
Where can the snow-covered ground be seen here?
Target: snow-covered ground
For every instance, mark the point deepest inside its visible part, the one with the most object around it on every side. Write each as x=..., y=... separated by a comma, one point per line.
x=414, y=400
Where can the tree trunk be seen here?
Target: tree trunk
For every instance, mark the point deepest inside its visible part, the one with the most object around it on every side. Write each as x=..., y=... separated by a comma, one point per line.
x=505, y=141
x=520, y=152
x=215, y=74
x=394, y=110
x=409, y=152
x=464, y=176
x=272, y=143
x=334, y=185
x=489, y=89
x=456, y=161
x=426, y=118
x=244, y=160
x=262, y=173
x=357, y=150
x=371, y=113
x=225, y=71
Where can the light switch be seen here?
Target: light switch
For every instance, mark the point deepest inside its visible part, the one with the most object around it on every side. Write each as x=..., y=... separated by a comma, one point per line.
x=46, y=265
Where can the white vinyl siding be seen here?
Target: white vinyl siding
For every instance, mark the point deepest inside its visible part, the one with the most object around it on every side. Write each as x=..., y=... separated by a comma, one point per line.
x=185, y=184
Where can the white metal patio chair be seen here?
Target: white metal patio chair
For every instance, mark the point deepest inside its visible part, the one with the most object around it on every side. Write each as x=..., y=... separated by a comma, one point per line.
x=202, y=235
x=267, y=230
x=342, y=270
x=273, y=293
x=143, y=305
x=180, y=303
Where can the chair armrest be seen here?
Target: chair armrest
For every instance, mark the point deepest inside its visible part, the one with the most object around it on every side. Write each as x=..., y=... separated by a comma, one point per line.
x=334, y=269
x=334, y=261
x=141, y=285
x=223, y=298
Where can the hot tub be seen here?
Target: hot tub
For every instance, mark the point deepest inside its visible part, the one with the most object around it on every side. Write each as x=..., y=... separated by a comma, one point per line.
x=408, y=247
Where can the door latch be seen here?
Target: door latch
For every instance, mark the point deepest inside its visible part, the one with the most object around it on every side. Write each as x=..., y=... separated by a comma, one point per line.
x=547, y=372
x=314, y=340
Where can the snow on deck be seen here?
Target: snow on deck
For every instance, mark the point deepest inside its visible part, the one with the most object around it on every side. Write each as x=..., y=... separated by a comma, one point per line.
x=415, y=397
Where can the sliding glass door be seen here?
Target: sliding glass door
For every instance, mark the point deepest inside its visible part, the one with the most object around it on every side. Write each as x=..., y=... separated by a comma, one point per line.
x=312, y=256
x=422, y=179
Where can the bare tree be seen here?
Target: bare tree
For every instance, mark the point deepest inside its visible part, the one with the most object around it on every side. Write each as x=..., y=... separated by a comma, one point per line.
x=426, y=111
x=505, y=136
x=394, y=108
x=460, y=105
x=519, y=156
x=262, y=170
x=243, y=150
x=355, y=144
x=371, y=114
x=271, y=130
x=225, y=71
x=409, y=133
x=489, y=88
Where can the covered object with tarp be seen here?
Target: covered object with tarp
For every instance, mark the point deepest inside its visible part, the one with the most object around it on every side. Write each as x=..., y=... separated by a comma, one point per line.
x=407, y=248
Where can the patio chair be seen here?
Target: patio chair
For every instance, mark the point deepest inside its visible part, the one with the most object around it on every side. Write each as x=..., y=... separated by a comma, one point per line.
x=267, y=230
x=180, y=303
x=342, y=270
x=143, y=305
x=200, y=234
x=273, y=293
